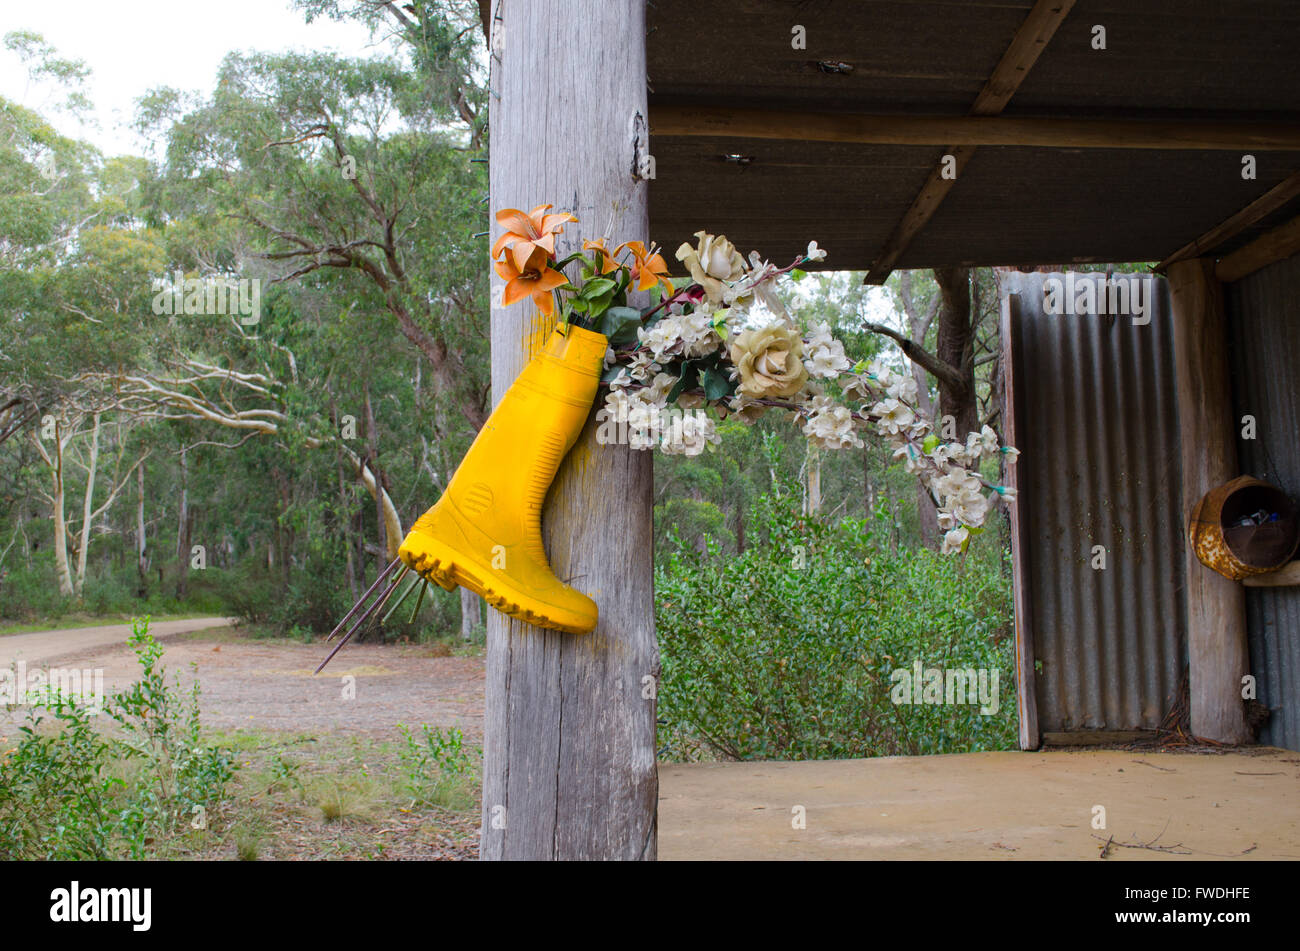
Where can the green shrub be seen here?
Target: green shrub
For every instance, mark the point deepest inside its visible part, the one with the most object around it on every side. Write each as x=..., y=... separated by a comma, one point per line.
x=437, y=766
x=71, y=791
x=787, y=651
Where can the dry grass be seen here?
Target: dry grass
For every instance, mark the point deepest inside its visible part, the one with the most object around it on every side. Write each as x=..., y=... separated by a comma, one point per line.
x=304, y=797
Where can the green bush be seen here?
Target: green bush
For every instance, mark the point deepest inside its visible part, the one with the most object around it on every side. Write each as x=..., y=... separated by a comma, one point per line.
x=437, y=766
x=788, y=650
x=71, y=791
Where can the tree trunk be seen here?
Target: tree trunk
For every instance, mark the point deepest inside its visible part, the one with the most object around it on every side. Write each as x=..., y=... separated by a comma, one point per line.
x=471, y=613
x=569, y=738
x=927, y=513
x=350, y=570
x=386, y=542
x=812, y=480
x=183, y=529
x=87, y=509
x=62, y=566
x=141, y=558
x=955, y=346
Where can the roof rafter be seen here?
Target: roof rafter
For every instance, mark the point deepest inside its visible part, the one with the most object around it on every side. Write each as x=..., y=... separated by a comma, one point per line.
x=1252, y=214
x=1022, y=53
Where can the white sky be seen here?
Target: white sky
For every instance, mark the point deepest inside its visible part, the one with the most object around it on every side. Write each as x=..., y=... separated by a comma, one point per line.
x=132, y=46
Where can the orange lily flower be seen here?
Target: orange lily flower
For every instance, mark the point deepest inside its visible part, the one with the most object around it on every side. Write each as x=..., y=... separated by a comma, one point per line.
x=535, y=278
x=527, y=232
x=649, y=268
x=607, y=263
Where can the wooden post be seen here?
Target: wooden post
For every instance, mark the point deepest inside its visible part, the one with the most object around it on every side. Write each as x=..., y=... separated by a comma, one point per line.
x=1216, y=607
x=569, y=740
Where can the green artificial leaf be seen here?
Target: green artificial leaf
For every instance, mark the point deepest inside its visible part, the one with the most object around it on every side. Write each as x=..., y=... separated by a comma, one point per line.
x=798, y=275
x=931, y=443
x=619, y=324
x=690, y=372
x=597, y=287
x=601, y=304
x=716, y=383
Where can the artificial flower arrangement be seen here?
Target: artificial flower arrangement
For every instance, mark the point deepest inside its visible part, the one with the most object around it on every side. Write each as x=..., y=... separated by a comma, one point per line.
x=725, y=342
x=722, y=342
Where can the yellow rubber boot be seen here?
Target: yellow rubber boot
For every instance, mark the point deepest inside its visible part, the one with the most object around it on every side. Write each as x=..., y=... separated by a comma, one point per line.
x=485, y=533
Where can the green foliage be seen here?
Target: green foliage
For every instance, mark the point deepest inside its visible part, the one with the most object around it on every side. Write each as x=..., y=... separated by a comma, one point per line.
x=786, y=651
x=437, y=766
x=71, y=791
x=56, y=798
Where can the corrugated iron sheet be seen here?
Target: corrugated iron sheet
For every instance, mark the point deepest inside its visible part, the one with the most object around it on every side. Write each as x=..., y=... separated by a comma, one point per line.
x=1264, y=330
x=1097, y=424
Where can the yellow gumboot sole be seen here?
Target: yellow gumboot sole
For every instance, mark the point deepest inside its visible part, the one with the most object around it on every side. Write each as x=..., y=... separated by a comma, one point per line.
x=447, y=568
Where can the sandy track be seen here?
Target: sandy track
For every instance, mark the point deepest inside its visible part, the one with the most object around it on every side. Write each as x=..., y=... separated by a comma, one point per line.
x=985, y=805
x=46, y=646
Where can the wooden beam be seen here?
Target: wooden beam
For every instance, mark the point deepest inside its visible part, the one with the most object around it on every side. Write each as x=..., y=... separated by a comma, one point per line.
x=1021, y=54
x=709, y=121
x=1284, y=577
x=1252, y=214
x=1276, y=245
x=1026, y=676
x=1216, y=607
x=569, y=722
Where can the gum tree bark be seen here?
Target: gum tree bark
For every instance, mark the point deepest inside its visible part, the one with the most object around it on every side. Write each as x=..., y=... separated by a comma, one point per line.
x=569, y=751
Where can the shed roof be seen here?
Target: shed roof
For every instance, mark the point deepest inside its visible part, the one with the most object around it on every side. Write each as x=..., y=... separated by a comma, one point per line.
x=1171, y=68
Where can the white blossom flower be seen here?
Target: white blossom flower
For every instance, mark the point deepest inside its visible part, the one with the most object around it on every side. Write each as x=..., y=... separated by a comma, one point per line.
x=827, y=362
x=953, y=540
x=1004, y=492
x=988, y=439
x=689, y=434
x=903, y=388
x=642, y=367
x=911, y=458
x=830, y=424
x=819, y=336
x=1011, y=453
x=617, y=404
x=660, y=338
x=824, y=356
x=815, y=253
x=893, y=416
x=880, y=373
x=954, y=482
x=970, y=507
x=859, y=388
x=660, y=386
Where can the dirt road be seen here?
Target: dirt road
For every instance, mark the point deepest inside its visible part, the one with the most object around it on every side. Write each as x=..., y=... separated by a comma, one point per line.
x=269, y=685
x=45, y=646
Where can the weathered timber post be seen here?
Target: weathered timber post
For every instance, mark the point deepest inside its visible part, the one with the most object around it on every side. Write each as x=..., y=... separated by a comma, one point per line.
x=569, y=755
x=1216, y=607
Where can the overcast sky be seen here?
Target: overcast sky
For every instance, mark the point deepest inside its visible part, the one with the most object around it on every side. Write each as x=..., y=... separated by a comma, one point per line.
x=132, y=46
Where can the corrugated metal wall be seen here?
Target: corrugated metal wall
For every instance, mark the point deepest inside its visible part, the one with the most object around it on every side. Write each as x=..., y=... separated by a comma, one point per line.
x=1264, y=330
x=1097, y=423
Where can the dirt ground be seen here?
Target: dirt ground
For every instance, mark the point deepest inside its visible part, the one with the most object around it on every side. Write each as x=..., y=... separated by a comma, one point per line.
x=269, y=685
x=987, y=806
x=1200, y=805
